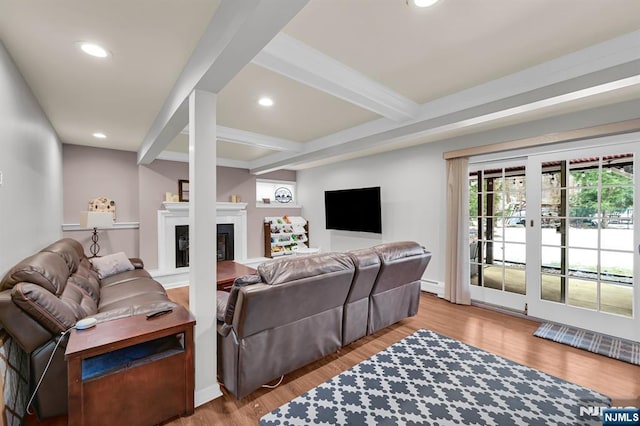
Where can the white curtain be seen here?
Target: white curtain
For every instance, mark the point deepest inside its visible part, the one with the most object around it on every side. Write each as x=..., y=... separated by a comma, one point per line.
x=456, y=282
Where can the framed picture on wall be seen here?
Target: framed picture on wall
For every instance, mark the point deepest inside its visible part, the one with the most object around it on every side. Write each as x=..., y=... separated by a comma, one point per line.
x=183, y=190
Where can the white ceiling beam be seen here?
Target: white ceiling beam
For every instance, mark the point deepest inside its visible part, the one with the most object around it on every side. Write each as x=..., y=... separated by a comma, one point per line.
x=238, y=30
x=243, y=137
x=183, y=157
x=606, y=67
x=287, y=56
x=228, y=134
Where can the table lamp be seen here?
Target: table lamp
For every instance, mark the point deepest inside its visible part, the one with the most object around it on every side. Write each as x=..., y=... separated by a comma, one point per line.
x=95, y=220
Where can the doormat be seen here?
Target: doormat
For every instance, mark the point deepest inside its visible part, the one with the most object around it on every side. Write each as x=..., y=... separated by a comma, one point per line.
x=613, y=347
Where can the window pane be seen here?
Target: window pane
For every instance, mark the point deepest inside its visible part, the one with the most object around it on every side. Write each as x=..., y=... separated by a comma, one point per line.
x=551, y=260
x=279, y=191
x=617, y=203
x=584, y=172
x=616, y=299
x=583, y=293
x=583, y=236
x=551, y=236
x=617, y=238
x=616, y=266
x=583, y=202
x=617, y=169
x=583, y=262
x=550, y=288
x=514, y=280
x=551, y=202
x=492, y=276
x=473, y=196
x=515, y=254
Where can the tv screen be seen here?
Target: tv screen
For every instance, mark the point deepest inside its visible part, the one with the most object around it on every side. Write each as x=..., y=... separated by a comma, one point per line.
x=353, y=210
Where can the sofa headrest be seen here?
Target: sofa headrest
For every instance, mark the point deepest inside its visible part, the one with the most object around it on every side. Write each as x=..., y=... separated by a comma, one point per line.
x=364, y=257
x=70, y=250
x=48, y=310
x=293, y=268
x=389, y=252
x=45, y=269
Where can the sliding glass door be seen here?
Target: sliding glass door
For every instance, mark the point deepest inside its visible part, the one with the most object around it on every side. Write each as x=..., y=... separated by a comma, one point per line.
x=554, y=235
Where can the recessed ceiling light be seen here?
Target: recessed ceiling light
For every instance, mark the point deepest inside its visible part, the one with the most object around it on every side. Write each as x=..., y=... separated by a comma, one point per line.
x=424, y=3
x=94, y=50
x=99, y=135
x=265, y=101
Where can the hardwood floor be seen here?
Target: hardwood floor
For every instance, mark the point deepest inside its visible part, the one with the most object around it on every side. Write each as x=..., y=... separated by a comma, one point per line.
x=501, y=334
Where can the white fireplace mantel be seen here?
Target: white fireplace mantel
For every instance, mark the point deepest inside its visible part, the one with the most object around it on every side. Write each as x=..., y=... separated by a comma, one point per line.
x=220, y=206
x=176, y=214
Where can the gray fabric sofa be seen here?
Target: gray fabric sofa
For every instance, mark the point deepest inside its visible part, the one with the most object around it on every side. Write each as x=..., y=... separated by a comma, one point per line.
x=300, y=308
x=47, y=293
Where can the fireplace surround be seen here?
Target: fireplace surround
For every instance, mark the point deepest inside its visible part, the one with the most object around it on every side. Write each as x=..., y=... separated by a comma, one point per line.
x=177, y=214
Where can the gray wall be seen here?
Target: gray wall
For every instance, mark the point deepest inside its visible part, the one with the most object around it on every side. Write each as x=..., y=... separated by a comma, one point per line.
x=155, y=180
x=96, y=172
x=412, y=184
x=239, y=181
x=139, y=192
x=31, y=166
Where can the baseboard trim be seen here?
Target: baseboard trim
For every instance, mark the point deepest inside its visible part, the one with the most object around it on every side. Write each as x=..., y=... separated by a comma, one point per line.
x=171, y=279
x=430, y=286
x=205, y=395
x=505, y=310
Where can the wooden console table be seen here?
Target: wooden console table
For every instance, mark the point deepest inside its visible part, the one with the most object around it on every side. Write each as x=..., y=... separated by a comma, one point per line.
x=228, y=270
x=146, y=391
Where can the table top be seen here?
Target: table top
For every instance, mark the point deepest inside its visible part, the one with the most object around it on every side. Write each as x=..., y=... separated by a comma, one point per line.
x=111, y=335
x=228, y=270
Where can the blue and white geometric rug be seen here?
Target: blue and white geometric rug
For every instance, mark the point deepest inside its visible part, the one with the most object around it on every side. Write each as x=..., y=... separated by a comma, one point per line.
x=429, y=379
x=613, y=347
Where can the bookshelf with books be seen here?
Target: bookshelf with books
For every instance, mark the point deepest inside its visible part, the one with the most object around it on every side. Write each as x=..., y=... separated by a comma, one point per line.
x=284, y=235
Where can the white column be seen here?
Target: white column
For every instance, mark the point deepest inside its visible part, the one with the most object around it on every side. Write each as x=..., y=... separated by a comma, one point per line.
x=202, y=237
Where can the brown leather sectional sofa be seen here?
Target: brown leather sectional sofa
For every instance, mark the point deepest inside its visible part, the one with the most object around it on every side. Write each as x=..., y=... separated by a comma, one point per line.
x=301, y=308
x=47, y=293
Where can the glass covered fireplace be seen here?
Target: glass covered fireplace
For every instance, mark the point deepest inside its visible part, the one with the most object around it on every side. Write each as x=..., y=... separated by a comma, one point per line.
x=224, y=246
x=225, y=242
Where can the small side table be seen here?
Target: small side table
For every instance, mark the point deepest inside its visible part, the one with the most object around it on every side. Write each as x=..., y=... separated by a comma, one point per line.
x=228, y=271
x=149, y=390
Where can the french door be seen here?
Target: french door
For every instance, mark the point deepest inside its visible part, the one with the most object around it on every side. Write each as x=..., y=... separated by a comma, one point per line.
x=554, y=235
x=584, y=239
x=498, y=236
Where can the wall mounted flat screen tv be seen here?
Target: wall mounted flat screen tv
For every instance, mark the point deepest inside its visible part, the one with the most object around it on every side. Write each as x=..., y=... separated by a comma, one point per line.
x=354, y=210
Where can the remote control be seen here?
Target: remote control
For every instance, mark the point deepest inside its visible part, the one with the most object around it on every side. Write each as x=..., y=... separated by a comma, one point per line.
x=159, y=313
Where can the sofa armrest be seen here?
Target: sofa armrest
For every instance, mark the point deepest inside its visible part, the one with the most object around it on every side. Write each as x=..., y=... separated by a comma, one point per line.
x=28, y=332
x=136, y=262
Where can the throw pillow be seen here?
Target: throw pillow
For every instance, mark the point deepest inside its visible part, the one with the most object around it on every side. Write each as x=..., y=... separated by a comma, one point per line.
x=112, y=264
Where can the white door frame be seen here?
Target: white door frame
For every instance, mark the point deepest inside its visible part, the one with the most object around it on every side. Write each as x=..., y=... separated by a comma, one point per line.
x=606, y=323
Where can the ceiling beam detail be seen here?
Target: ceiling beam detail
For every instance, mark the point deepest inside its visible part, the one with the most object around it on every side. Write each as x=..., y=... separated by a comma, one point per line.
x=183, y=157
x=237, y=32
x=243, y=137
x=292, y=58
x=603, y=68
x=228, y=134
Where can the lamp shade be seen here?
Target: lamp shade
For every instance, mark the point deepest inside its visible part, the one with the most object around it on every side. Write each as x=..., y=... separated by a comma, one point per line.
x=90, y=220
